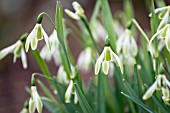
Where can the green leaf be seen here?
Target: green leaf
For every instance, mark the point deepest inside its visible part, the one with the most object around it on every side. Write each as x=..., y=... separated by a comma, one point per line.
x=101, y=95
x=96, y=11
x=128, y=8
x=139, y=103
x=108, y=22
x=82, y=100
x=50, y=106
x=137, y=84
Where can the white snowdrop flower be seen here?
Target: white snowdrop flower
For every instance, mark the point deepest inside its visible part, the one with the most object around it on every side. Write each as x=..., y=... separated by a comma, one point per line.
x=69, y=92
x=126, y=44
x=79, y=11
x=35, y=101
x=164, y=13
x=85, y=59
x=164, y=33
x=107, y=56
x=161, y=83
x=18, y=50
x=62, y=76
x=98, y=31
x=36, y=34
x=54, y=53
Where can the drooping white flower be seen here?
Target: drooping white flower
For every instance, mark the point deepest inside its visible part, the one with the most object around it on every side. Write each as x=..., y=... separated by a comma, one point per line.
x=79, y=11
x=161, y=83
x=62, y=76
x=18, y=50
x=126, y=44
x=85, y=59
x=69, y=92
x=164, y=13
x=36, y=34
x=107, y=56
x=35, y=101
x=98, y=31
x=164, y=34
x=54, y=53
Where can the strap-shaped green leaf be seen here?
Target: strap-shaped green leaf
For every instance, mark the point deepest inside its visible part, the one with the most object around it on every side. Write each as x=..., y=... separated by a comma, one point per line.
x=82, y=100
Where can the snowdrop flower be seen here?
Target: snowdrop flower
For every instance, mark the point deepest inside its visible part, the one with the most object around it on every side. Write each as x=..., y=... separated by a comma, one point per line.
x=164, y=13
x=36, y=34
x=107, y=56
x=18, y=50
x=85, y=59
x=54, y=53
x=118, y=28
x=126, y=44
x=70, y=90
x=79, y=11
x=62, y=76
x=35, y=101
x=161, y=83
x=164, y=34
x=98, y=31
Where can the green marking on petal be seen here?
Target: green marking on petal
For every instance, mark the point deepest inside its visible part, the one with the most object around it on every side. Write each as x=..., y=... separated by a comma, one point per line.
x=164, y=32
x=39, y=33
x=39, y=106
x=34, y=43
x=97, y=68
x=163, y=13
x=108, y=55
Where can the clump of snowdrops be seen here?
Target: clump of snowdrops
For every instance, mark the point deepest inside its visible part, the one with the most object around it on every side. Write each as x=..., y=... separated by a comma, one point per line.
x=126, y=76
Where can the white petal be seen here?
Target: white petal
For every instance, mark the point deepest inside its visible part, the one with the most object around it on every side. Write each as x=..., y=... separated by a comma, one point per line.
x=6, y=51
x=167, y=40
x=163, y=22
x=69, y=92
x=24, y=58
x=134, y=48
x=111, y=69
x=150, y=91
x=34, y=43
x=118, y=61
x=30, y=37
x=126, y=45
x=165, y=92
x=161, y=44
x=56, y=57
x=98, y=62
x=105, y=67
x=71, y=14
x=154, y=36
x=31, y=106
x=75, y=98
x=46, y=38
x=77, y=7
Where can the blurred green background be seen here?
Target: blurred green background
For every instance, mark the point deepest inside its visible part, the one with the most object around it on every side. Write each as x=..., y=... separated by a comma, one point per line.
x=18, y=17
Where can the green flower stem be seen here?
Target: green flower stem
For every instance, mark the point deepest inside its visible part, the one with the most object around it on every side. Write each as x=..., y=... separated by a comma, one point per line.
x=83, y=19
x=140, y=29
x=42, y=65
x=42, y=14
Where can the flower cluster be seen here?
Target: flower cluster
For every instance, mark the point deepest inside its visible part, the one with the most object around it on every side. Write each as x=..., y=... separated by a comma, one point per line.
x=163, y=30
x=18, y=50
x=162, y=84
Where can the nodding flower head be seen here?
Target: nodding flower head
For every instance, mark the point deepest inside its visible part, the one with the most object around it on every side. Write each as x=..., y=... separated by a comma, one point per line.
x=70, y=90
x=161, y=83
x=35, y=101
x=126, y=44
x=164, y=13
x=62, y=76
x=54, y=53
x=105, y=58
x=163, y=34
x=85, y=59
x=36, y=34
x=18, y=50
x=79, y=11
